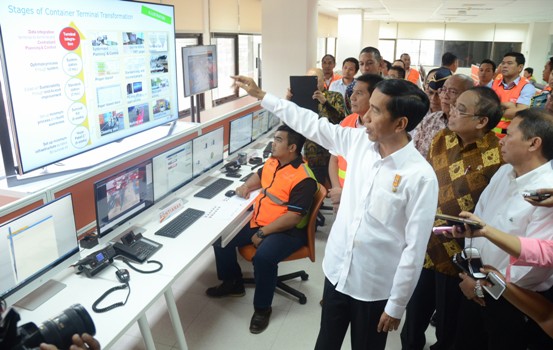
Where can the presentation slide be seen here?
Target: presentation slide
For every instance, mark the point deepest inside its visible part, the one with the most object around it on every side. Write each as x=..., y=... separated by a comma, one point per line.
x=82, y=74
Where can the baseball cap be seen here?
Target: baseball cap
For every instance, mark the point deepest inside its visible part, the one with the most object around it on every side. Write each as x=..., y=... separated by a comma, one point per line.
x=439, y=78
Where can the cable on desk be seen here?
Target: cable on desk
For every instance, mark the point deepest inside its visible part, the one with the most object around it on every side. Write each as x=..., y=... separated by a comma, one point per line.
x=158, y=263
x=108, y=292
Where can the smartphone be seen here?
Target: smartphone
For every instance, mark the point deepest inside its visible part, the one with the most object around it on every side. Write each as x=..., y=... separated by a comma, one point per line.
x=534, y=195
x=468, y=260
x=498, y=285
x=457, y=221
x=472, y=255
x=440, y=230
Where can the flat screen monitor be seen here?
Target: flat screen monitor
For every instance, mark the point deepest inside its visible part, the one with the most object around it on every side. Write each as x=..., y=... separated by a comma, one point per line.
x=207, y=151
x=273, y=121
x=199, y=69
x=240, y=133
x=260, y=124
x=121, y=196
x=172, y=170
x=35, y=246
x=81, y=74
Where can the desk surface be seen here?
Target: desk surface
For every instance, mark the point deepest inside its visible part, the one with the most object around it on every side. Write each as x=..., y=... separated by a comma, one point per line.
x=224, y=217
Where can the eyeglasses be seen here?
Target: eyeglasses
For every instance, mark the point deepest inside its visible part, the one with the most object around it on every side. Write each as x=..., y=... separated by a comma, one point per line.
x=444, y=90
x=454, y=109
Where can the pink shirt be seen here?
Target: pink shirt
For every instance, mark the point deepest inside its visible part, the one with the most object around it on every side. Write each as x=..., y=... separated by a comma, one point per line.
x=534, y=252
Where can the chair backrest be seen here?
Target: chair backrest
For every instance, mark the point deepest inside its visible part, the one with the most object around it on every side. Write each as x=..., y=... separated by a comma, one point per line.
x=307, y=251
x=312, y=224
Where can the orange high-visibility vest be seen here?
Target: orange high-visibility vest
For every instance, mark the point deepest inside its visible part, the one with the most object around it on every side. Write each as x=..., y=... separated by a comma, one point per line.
x=510, y=95
x=334, y=78
x=349, y=122
x=276, y=186
x=413, y=76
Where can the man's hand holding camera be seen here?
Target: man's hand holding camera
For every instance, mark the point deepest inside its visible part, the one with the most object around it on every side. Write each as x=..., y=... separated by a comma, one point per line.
x=80, y=342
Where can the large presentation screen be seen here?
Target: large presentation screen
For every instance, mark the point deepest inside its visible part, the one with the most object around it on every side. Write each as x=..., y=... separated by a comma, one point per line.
x=81, y=74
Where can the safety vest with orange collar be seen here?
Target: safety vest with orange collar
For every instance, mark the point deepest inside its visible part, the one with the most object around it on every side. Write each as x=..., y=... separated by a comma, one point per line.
x=332, y=79
x=276, y=186
x=509, y=95
x=413, y=76
x=349, y=122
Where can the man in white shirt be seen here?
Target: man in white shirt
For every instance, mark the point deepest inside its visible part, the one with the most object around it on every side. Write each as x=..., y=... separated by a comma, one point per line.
x=350, y=67
x=528, y=150
x=376, y=246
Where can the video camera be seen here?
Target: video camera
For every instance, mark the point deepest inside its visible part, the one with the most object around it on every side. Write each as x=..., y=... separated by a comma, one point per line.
x=57, y=331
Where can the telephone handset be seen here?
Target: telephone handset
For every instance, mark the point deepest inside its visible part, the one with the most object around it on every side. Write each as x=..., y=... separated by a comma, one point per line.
x=136, y=247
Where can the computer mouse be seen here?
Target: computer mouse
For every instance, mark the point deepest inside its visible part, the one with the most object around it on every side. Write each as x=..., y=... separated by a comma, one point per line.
x=230, y=193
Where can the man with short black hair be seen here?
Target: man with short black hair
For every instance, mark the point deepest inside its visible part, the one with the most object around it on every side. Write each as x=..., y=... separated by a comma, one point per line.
x=486, y=73
x=360, y=103
x=450, y=61
x=370, y=62
x=328, y=63
x=514, y=91
x=350, y=67
x=396, y=73
x=375, y=248
x=277, y=227
x=527, y=149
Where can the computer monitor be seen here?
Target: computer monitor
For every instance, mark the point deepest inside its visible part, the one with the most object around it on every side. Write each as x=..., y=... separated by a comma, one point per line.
x=172, y=170
x=260, y=124
x=121, y=196
x=207, y=151
x=273, y=120
x=36, y=246
x=240, y=133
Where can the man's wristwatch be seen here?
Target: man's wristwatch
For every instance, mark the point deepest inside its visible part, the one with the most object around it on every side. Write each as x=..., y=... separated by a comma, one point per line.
x=260, y=234
x=478, y=289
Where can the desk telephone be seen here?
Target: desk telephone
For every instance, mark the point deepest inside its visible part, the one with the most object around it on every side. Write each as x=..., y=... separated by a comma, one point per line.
x=132, y=246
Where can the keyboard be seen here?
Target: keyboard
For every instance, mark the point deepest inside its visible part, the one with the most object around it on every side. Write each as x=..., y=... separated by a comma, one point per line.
x=245, y=178
x=180, y=223
x=214, y=188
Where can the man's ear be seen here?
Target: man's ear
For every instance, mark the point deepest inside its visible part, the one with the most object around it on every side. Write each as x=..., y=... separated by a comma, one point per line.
x=536, y=144
x=292, y=147
x=401, y=123
x=482, y=122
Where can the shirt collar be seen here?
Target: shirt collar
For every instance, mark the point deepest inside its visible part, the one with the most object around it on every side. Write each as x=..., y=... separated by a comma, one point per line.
x=528, y=180
x=400, y=156
x=511, y=84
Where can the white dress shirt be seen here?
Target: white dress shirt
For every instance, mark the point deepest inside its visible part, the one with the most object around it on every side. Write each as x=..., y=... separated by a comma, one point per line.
x=338, y=86
x=501, y=205
x=377, y=244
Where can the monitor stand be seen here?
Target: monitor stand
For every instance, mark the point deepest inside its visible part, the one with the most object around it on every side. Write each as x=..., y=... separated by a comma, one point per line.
x=40, y=295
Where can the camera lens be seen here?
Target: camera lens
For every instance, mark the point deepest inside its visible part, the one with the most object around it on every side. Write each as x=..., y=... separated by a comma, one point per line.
x=59, y=330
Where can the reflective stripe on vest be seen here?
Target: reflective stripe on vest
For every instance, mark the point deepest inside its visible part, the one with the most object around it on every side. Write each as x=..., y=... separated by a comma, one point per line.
x=349, y=122
x=510, y=95
x=277, y=184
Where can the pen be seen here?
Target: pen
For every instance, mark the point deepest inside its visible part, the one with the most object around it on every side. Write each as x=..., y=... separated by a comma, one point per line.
x=467, y=170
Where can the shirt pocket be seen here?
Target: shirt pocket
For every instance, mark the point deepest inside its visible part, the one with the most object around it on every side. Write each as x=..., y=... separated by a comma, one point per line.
x=384, y=207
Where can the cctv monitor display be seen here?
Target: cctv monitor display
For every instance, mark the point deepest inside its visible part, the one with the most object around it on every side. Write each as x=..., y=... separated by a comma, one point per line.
x=240, y=133
x=172, y=170
x=35, y=246
x=260, y=124
x=81, y=74
x=199, y=69
x=122, y=196
x=207, y=151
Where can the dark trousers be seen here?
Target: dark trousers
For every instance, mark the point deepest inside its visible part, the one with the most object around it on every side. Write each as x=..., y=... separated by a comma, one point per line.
x=339, y=311
x=434, y=291
x=274, y=248
x=498, y=325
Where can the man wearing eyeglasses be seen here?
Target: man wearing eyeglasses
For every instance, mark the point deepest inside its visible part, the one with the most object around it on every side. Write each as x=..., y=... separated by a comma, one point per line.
x=514, y=91
x=434, y=122
x=465, y=156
